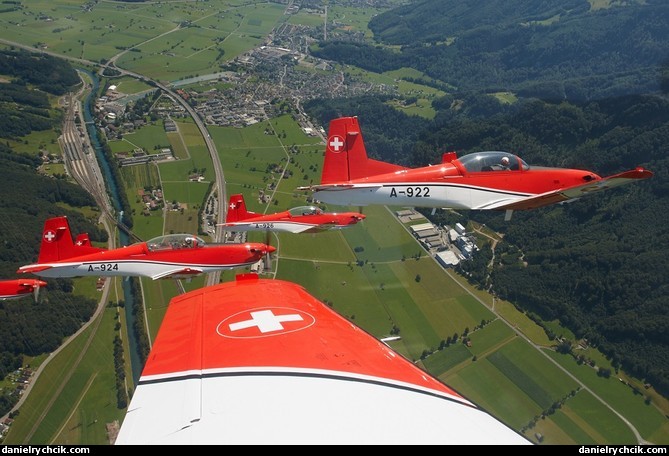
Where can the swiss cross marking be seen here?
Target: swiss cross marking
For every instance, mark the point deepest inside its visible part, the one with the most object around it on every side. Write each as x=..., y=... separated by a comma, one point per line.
x=336, y=143
x=265, y=320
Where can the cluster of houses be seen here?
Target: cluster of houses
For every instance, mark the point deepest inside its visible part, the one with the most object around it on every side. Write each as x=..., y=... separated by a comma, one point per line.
x=450, y=245
x=152, y=199
x=21, y=377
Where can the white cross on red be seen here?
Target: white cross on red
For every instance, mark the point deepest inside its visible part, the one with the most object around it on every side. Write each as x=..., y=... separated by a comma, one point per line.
x=335, y=143
x=49, y=235
x=266, y=321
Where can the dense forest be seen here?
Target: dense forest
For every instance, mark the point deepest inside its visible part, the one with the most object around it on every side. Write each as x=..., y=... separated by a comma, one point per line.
x=553, y=49
x=29, y=328
x=44, y=72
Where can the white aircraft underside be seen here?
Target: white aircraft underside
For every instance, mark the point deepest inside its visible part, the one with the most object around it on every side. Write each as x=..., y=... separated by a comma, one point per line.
x=229, y=407
x=151, y=269
x=419, y=195
x=291, y=227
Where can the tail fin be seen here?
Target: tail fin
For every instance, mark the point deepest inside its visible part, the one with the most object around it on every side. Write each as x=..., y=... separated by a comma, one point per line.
x=345, y=154
x=57, y=242
x=82, y=240
x=237, y=209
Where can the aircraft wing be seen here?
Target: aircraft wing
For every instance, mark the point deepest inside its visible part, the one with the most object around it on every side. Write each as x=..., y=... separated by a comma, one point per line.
x=571, y=193
x=289, y=227
x=261, y=361
x=178, y=273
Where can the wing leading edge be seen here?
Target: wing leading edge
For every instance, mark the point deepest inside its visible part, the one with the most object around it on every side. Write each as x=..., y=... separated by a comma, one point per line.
x=571, y=193
x=261, y=361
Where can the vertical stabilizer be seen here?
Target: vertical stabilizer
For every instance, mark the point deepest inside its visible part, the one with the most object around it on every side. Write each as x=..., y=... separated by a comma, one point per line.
x=344, y=149
x=237, y=209
x=57, y=242
x=345, y=154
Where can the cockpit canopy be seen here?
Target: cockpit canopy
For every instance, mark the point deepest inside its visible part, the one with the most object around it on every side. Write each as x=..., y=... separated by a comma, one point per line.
x=305, y=210
x=175, y=242
x=492, y=161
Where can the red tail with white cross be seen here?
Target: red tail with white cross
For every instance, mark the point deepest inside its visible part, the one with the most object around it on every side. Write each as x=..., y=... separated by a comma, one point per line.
x=345, y=154
x=57, y=242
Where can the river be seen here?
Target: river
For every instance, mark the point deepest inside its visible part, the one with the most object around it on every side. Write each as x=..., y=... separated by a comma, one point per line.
x=112, y=188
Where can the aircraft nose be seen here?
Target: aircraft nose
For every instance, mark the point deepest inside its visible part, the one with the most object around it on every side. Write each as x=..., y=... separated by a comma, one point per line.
x=262, y=249
x=40, y=283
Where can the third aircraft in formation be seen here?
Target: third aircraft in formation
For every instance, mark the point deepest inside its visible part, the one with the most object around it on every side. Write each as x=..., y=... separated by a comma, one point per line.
x=302, y=219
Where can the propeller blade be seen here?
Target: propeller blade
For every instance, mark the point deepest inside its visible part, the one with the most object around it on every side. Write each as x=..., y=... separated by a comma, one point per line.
x=36, y=288
x=268, y=256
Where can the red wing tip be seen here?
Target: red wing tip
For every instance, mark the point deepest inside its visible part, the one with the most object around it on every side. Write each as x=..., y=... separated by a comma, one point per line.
x=644, y=173
x=637, y=173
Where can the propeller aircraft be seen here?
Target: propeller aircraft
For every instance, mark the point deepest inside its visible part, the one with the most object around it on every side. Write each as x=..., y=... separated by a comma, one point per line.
x=176, y=256
x=18, y=288
x=491, y=180
x=302, y=219
x=263, y=362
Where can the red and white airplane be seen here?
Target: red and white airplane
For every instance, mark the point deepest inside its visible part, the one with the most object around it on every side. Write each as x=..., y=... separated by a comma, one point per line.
x=263, y=362
x=482, y=180
x=171, y=256
x=18, y=288
x=302, y=219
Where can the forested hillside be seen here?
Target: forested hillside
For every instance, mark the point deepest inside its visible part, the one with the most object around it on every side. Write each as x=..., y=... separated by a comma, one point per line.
x=26, y=200
x=553, y=49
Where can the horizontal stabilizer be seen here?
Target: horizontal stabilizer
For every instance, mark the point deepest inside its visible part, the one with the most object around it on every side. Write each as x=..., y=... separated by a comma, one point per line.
x=33, y=268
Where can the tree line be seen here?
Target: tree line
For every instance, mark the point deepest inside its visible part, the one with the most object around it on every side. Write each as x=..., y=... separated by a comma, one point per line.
x=27, y=199
x=556, y=49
